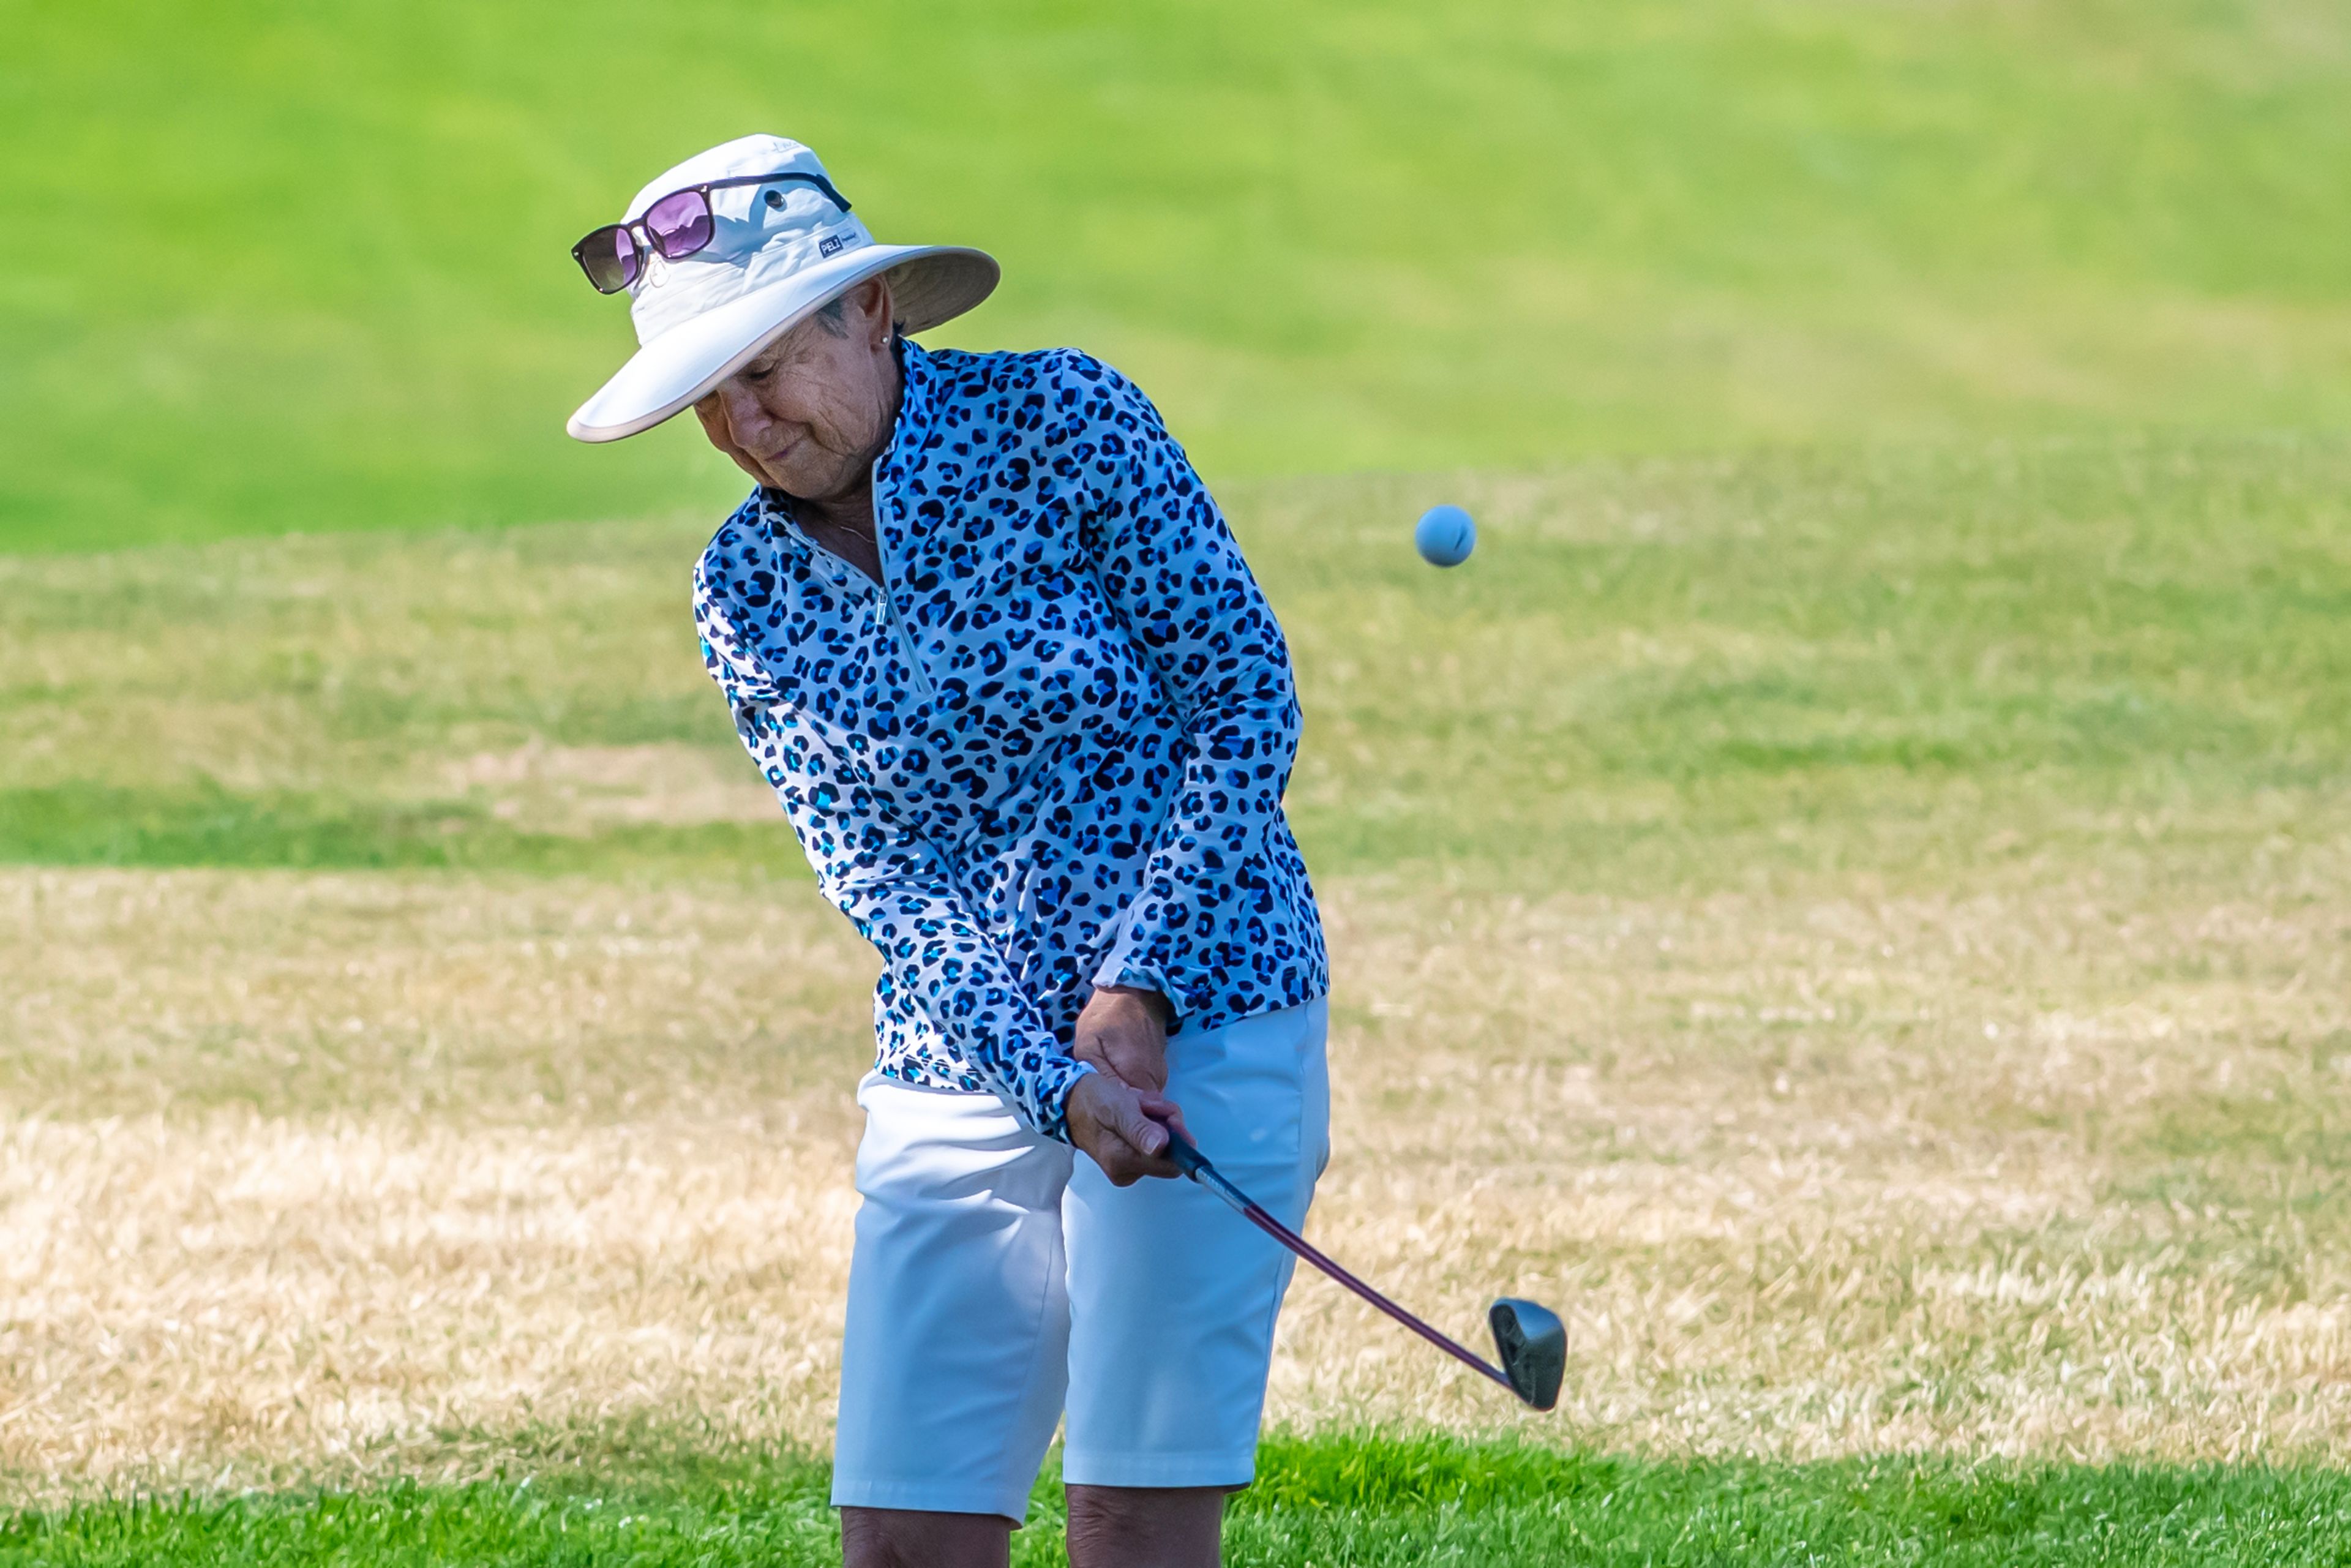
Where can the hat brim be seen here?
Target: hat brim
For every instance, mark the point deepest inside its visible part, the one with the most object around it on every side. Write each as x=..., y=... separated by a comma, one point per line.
x=929, y=284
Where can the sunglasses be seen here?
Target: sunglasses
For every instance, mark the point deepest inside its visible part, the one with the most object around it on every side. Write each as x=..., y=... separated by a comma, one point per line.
x=677, y=226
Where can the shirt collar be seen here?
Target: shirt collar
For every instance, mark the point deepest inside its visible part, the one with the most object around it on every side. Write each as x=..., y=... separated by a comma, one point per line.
x=917, y=402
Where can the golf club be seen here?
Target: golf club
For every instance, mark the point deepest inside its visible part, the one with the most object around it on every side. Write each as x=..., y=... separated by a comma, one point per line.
x=1529, y=1339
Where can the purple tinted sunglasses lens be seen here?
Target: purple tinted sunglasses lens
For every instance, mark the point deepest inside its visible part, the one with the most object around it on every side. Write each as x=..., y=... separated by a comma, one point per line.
x=609, y=257
x=679, y=223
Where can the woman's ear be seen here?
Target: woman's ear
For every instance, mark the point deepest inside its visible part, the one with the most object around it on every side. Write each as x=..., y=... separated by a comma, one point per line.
x=874, y=310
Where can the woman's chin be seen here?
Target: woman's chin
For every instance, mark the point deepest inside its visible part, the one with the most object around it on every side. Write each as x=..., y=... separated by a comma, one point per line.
x=812, y=481
x=780, y=475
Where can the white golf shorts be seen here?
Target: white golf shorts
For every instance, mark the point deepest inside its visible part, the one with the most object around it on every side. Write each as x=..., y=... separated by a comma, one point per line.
x=999, y=1281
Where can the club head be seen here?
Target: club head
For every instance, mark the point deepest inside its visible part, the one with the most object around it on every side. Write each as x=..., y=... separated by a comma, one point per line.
x=1532, y=1344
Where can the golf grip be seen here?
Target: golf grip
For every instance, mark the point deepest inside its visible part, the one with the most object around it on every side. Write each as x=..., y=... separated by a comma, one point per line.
x=1194, y=1163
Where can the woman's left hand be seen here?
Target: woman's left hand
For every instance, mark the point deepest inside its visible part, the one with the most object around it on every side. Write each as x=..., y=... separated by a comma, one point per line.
x=1124, y=1032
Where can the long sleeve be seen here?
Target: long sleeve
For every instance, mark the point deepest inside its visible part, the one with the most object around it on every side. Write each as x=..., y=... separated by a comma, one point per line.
x=1173, y=573
x=897, y=891
x=1048, y=753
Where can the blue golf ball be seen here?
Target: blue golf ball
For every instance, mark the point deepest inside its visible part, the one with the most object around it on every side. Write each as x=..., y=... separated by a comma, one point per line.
x=1444, y=536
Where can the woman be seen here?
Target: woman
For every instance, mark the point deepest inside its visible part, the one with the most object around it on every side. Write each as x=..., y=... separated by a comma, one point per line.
x=989, y=639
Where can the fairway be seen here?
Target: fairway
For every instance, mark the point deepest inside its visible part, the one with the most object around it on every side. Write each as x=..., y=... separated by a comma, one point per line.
x=334, y=290
x=1846, y=894
x=1878, y=921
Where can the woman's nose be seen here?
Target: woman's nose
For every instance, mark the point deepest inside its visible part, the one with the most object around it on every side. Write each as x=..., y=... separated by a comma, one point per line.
x=744, y=416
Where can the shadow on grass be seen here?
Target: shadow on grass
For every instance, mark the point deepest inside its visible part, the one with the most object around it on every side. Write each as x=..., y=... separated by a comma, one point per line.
x=1349, y=1498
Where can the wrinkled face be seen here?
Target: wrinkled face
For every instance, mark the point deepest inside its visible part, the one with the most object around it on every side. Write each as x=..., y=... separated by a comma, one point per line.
x=811, y=415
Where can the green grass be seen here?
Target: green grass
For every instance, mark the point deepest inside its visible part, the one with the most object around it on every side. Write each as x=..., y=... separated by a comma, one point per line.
x=212, y=826
x=1328, y=1501
x=304, y=268
x=1675, y=674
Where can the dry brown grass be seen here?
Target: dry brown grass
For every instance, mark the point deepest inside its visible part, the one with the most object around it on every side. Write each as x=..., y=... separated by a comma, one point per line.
x=323, y=1173
x=2016, y=1173
x=579, y=789
x=235, y=1297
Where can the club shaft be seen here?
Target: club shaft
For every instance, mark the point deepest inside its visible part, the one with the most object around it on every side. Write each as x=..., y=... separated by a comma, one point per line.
x=1248, y=1209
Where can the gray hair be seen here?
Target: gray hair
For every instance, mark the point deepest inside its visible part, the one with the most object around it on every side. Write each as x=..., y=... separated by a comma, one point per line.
x=830, y=316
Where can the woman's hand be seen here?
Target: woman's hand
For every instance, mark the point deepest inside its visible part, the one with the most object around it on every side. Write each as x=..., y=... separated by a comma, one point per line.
x=1121, y=1127
x=1124, y=1032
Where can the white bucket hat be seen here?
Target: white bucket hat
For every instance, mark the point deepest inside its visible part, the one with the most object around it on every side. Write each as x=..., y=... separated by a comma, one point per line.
x=779, y=252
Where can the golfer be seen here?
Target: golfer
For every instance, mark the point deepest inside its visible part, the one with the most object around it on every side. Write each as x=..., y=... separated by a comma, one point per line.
x=986, y=633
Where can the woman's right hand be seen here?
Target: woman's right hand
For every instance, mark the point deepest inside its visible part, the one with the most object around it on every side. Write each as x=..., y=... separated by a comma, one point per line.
x=1121, y=1127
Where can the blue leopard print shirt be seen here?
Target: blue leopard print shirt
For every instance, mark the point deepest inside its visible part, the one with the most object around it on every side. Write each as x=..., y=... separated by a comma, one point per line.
x=1050, y=754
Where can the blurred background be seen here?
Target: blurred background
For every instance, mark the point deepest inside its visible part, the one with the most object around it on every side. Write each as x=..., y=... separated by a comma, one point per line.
x=286, y=266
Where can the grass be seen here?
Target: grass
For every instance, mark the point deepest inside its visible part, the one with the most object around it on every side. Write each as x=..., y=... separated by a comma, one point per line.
x=1875, y=917
x=1844, y=894
x=1341, y=1499
x=1666, y=675
x=332, y=290
x=349, y=1174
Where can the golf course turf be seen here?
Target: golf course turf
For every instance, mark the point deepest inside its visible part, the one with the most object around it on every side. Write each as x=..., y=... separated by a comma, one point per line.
x=1337, y=1500
x=319, y=274
x=2096, y=684
x=1860, y=853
